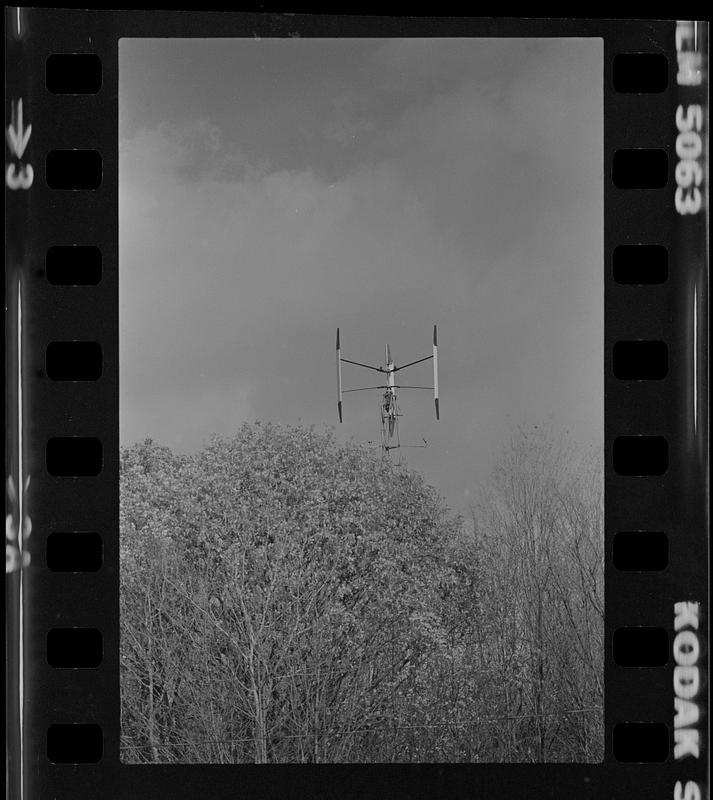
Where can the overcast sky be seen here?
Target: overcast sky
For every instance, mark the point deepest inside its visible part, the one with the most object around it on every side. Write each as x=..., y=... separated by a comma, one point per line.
x=272, y=190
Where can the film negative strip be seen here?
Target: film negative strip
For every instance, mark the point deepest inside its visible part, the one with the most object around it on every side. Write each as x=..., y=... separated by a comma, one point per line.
x=69, y=78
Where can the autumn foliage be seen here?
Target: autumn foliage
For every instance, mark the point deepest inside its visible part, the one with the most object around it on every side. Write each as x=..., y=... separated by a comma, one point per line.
x=285, y=598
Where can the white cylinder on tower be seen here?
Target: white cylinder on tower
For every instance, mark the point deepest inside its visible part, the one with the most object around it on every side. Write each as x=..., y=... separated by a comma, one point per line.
x=435, y=371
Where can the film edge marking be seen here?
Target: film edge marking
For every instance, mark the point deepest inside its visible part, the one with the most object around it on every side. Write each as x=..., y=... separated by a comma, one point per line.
x=686, y=684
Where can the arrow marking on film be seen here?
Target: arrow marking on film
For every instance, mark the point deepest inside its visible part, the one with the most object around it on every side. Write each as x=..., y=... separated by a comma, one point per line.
x=18, y=137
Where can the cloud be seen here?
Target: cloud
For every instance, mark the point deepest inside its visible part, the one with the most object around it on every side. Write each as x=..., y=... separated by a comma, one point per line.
x=348, y=131
x=218, y=276
x=477, y=208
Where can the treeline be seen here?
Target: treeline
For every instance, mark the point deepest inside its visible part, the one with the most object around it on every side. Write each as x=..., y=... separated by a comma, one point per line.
x=285, y=598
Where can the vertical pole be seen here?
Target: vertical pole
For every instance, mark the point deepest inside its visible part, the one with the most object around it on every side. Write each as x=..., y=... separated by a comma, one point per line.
x=435, y=371
x=339, y=377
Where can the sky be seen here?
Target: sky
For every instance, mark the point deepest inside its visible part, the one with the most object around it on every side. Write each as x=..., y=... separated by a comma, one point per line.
x=272, y=190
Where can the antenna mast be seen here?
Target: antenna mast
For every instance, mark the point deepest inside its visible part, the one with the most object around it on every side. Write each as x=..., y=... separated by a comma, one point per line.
x=388, y=404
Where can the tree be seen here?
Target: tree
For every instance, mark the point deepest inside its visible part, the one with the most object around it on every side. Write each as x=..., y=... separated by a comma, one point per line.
x=308, y=574
x=285, y=598
x=541, y=523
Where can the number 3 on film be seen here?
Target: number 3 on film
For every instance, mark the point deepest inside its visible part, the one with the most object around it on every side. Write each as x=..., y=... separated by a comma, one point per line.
x=18, y=176
x=689, y=173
